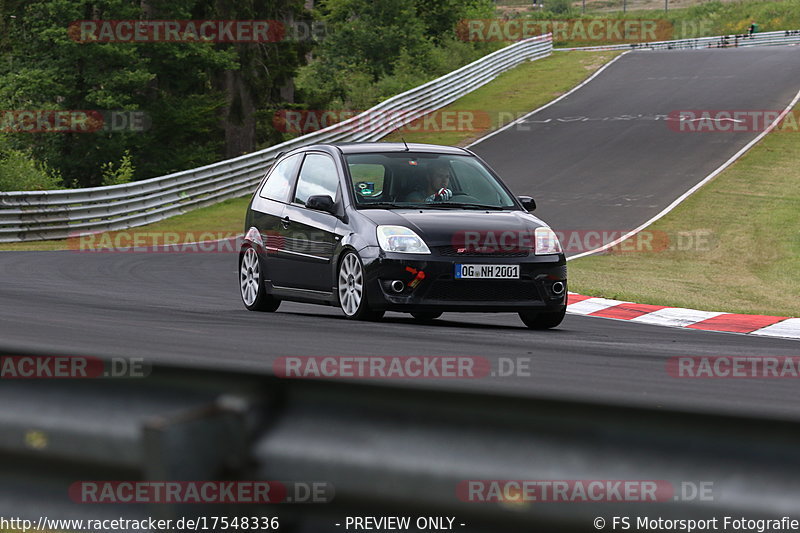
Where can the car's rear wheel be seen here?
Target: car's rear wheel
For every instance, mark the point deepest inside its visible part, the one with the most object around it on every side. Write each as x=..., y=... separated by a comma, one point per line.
x=251, y=283
x=351, y=289
x=427, y=316
x=542, y=320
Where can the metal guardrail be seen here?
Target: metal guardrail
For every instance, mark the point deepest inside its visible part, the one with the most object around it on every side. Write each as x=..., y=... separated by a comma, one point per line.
x=380, y=448
x=772, y=38
x=38, y=215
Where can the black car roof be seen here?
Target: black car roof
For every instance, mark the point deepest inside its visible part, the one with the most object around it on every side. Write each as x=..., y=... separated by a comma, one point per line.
x=361, y=148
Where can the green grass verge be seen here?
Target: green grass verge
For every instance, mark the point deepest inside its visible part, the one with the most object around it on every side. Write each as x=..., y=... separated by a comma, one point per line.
x=515, y=92
x=510, y=95
x=752, y=214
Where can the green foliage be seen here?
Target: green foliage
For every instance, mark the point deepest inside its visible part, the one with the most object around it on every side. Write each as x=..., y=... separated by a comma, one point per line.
x=369, y=34
x=410, y=71
x=378, y=48
x=559, y=7
x=122, y=174
x=19, y=171
x=441, y=17
x=181, y=86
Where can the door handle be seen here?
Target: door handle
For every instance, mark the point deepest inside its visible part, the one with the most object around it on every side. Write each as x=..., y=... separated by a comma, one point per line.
x=285, y=222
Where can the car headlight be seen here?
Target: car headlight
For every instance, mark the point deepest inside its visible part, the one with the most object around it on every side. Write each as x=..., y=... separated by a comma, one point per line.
x=546, y=241
x=401, y=239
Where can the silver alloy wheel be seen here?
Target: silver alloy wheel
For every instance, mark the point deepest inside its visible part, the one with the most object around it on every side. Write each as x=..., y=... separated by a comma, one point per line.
x=351, y=284
x=249, y=276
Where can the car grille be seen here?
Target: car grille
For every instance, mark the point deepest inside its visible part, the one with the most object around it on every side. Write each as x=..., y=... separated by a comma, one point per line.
x=483, y=290
x=451, y=251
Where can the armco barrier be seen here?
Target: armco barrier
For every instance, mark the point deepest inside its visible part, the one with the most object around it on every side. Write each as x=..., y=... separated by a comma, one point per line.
x=38, y=215
x=381, y=448
x=785, y=37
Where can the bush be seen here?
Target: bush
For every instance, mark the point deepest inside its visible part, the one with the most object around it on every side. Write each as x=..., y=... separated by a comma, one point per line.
x=376, y=49
x=122, y=174
x=19, y=171
x=559, y=7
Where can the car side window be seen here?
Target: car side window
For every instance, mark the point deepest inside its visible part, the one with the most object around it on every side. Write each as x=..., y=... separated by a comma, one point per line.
x=318, y=176
x=279, y=181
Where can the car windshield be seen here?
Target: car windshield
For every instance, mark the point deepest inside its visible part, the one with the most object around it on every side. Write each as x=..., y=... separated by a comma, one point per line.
x=434, y=181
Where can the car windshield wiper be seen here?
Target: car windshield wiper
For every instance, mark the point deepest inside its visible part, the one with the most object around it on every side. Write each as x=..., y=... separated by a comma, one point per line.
x=382, y=205
x=432, y=205
x=459, y=205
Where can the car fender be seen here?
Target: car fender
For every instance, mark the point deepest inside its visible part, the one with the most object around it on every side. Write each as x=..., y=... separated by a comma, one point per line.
x=253, y=237
x=354, y=241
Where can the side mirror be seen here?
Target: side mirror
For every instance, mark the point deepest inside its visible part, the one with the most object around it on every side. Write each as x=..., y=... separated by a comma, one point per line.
x=527, y=202
x=321, y=202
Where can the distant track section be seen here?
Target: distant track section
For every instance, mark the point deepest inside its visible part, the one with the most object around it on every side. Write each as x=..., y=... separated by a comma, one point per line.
x=613, y=154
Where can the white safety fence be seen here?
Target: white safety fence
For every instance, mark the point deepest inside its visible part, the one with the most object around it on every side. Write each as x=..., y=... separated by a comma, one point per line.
x=38, y=215
x=786, y=37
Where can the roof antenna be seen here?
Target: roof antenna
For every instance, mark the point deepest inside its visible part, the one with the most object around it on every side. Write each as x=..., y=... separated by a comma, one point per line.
x=404, y=142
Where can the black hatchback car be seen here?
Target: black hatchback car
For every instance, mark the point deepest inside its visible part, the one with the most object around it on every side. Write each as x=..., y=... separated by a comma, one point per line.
x=415, y=228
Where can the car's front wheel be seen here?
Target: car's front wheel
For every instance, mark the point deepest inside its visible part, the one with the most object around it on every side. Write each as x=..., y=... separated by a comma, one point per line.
x=351, y=289
x=542, y=320
x=251, y=283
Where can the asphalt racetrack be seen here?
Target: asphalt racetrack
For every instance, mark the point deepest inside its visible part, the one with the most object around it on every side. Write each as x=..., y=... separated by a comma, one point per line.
x=606, y=157
x=185, y=308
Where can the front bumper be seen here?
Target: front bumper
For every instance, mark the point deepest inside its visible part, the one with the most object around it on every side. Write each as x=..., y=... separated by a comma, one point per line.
x=429, y=283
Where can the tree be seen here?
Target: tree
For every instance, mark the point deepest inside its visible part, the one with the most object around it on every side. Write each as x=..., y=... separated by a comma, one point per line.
x=368, y=41
x=200, y=97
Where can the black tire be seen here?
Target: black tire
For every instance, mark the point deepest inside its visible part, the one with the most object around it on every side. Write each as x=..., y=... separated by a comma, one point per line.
x=351, y=289
x=426, y=316
x=251, y=283
x=541, y=319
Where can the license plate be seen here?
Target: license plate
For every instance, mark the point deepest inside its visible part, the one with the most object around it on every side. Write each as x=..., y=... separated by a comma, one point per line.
x=487, y=271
